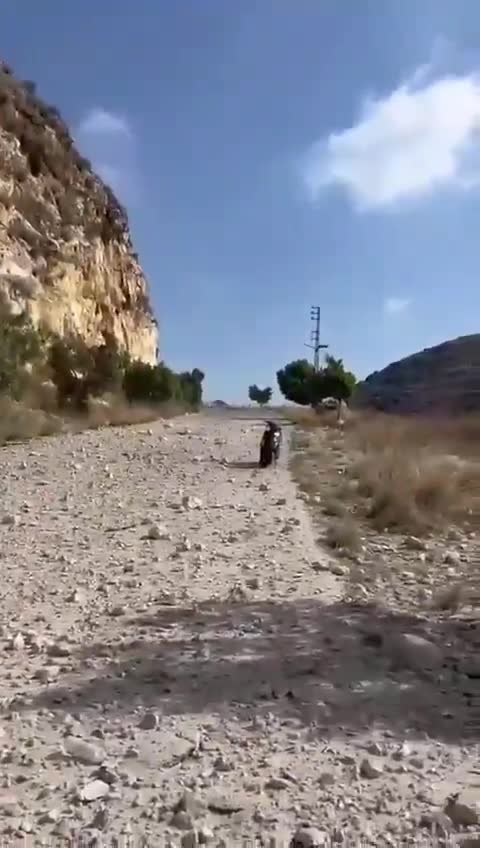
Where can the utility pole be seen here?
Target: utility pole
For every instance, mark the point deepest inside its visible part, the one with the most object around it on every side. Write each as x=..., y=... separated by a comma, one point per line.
x=315, y=337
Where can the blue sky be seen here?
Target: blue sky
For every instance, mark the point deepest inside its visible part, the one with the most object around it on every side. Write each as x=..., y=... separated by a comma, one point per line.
x=275, y=154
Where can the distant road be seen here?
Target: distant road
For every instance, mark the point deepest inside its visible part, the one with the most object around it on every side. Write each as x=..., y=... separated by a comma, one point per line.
x=249, y=413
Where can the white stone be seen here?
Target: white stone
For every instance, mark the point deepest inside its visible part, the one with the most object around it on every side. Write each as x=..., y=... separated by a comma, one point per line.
x=18, y=642
x=371, y=768
x=94, y=790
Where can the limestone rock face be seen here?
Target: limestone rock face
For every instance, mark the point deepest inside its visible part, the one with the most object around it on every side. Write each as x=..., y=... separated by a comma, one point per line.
x=66, y=256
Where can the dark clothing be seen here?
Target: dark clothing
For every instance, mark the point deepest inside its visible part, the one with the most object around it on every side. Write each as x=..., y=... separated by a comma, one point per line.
x=270, y=445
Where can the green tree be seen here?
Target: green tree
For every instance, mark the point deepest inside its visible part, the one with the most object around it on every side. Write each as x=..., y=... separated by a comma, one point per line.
x=326, y=385
x=29, y=356
x=260, y=396
x=191, y=387
x=79, y=371
x=108, y=369
x=336, y=367
x=152, y=383
x=71, y=365
x=299, y=383
x=159, y=384
x=21, y=350
x=294, y=381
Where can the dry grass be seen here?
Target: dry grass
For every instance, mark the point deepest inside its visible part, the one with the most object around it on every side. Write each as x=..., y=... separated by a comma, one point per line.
x=117, y=412
x=344, y=535
x=407, y=474
x=308, y=419
x=417, y=490
x=456, y=436
x=416, y=474
x=19, y=422
x=333, y=507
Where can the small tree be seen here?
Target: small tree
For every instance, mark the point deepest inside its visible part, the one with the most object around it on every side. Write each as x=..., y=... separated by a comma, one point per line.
x=260, y=396
x=71, y=363
x=152, y=383
x=109, y=366
x=191, y=387
x=300, y=383
x=324, y=385
x=294, y=381
x=335, y=367
x=20, y=350
x=158, y=384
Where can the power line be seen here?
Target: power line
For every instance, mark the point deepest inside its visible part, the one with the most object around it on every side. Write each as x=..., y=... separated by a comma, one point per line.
x=315, y=337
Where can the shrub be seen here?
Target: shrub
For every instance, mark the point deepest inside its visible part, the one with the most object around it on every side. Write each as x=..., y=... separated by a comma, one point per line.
x=20, y=350
x=107, y=370
x=70, y=363
x=40, y=372
x=191, y=388
x=80, y=372
x=343, y=534
x=19, y=422
x=152, y=383
x=159, y=384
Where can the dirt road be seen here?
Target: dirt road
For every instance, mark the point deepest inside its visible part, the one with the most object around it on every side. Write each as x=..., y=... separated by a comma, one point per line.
x=179, y=665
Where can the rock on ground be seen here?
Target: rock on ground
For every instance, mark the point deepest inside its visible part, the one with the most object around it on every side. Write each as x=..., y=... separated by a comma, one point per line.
x=210, y=683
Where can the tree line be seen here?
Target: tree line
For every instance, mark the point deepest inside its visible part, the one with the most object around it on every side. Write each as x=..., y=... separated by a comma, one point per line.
x=300, y=383
x=31, y=358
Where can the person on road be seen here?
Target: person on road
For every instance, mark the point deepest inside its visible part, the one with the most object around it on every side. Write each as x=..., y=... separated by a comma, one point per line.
x=270, y=444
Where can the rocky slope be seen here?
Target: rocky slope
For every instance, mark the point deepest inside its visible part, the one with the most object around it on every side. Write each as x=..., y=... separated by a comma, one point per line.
x=443, y=378
x=65, y=252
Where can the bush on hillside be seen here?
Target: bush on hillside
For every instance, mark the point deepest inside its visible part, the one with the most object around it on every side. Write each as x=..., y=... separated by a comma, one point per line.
x=21, y=351
x=70, y=363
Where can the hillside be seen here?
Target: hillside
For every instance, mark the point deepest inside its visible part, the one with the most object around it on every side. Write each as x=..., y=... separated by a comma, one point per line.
x=444, y=378
x=66, y=257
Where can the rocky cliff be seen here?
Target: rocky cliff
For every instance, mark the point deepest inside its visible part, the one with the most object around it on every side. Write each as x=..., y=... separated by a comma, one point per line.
x=66, y=256
x=444, y=378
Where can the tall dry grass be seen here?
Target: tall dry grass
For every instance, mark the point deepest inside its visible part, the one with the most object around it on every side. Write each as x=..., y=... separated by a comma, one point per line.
x=459, y=436
x=307, y=419
x=21, y=422
x=409, y=474
x=416, y=473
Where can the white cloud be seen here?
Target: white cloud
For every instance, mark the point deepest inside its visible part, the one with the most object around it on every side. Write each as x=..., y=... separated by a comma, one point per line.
x=419, y=138
x=108, y=140
x=100, y=122
x=396, y=305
